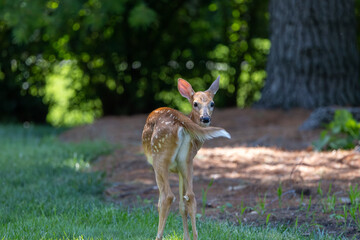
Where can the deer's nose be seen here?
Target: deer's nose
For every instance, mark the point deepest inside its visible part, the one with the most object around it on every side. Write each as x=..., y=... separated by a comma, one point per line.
x=205, y=119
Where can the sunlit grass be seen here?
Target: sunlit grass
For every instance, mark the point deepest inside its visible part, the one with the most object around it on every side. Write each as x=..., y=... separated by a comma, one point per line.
x=48, y=192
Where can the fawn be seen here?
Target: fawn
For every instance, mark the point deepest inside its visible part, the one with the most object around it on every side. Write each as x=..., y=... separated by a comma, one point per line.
x=171, y=140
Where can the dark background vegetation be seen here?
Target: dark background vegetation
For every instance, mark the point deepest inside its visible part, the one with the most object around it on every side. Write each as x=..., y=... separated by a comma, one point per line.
x=68, y=62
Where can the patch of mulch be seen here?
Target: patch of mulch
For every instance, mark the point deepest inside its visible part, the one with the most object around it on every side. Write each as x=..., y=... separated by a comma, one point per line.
x=266, y=148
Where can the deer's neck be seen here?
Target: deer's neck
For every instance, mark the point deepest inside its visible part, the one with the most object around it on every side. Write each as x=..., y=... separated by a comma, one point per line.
x=196, y=144
x=195, y=117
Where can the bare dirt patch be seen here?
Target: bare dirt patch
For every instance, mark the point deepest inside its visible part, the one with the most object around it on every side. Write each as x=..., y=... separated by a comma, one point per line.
x=266, y=148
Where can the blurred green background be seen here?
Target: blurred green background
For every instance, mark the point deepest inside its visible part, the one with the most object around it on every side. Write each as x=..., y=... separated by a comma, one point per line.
x=68, y=62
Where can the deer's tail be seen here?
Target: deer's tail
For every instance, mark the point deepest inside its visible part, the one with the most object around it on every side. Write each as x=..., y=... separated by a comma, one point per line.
x=202, y=133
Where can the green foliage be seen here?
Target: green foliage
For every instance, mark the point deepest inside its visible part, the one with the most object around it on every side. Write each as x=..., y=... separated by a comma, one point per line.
x=343, y=132
x=125, y=56
x=142, y=16
x=64, y=93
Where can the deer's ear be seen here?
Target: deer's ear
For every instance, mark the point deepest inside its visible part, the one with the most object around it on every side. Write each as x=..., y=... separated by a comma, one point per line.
x=185, y=89
x=214, y=86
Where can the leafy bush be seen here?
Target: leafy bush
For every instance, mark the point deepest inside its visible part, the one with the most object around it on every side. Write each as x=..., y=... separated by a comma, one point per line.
x=70, y=62
x=342, y=133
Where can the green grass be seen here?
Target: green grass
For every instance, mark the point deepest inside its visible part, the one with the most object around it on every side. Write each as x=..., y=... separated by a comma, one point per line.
x=48, y=192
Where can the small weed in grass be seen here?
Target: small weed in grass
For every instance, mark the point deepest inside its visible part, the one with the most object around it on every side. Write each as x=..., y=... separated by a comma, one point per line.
x=260, y=207
x=267, y=219
x=279, y=193
x=204, y=196
x=242, y=211
x=354, y=195
x=345, y=216
x=225, y=206
x=354, y=209
x=308, y=207
x=301, y=204
x=328, y=203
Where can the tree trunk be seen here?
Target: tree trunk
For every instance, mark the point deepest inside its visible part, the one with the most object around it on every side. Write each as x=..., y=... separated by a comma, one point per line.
x=313, y=60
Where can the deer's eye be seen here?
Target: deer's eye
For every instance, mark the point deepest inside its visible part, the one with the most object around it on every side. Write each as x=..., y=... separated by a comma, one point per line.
x=212, y=104
x=195, y=104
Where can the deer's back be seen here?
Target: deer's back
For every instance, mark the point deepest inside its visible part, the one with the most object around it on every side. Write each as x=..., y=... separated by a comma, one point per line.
x=161, y=133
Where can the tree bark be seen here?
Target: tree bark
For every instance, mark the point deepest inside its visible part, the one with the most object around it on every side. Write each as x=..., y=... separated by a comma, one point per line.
x=313, y=60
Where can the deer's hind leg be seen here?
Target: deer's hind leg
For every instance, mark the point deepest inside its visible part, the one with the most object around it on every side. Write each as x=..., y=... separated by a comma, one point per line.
x=186, y=171
x=182, y=207
x=166, y=197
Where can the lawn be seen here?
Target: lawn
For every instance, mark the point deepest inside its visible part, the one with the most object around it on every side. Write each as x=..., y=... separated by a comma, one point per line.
x=48, y=192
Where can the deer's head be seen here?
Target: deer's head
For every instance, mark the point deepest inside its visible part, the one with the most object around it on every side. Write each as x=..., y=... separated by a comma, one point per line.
x=202, y=102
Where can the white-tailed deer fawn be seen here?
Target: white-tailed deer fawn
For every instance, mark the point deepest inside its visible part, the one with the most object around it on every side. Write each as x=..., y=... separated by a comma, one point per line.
x=170, y=141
